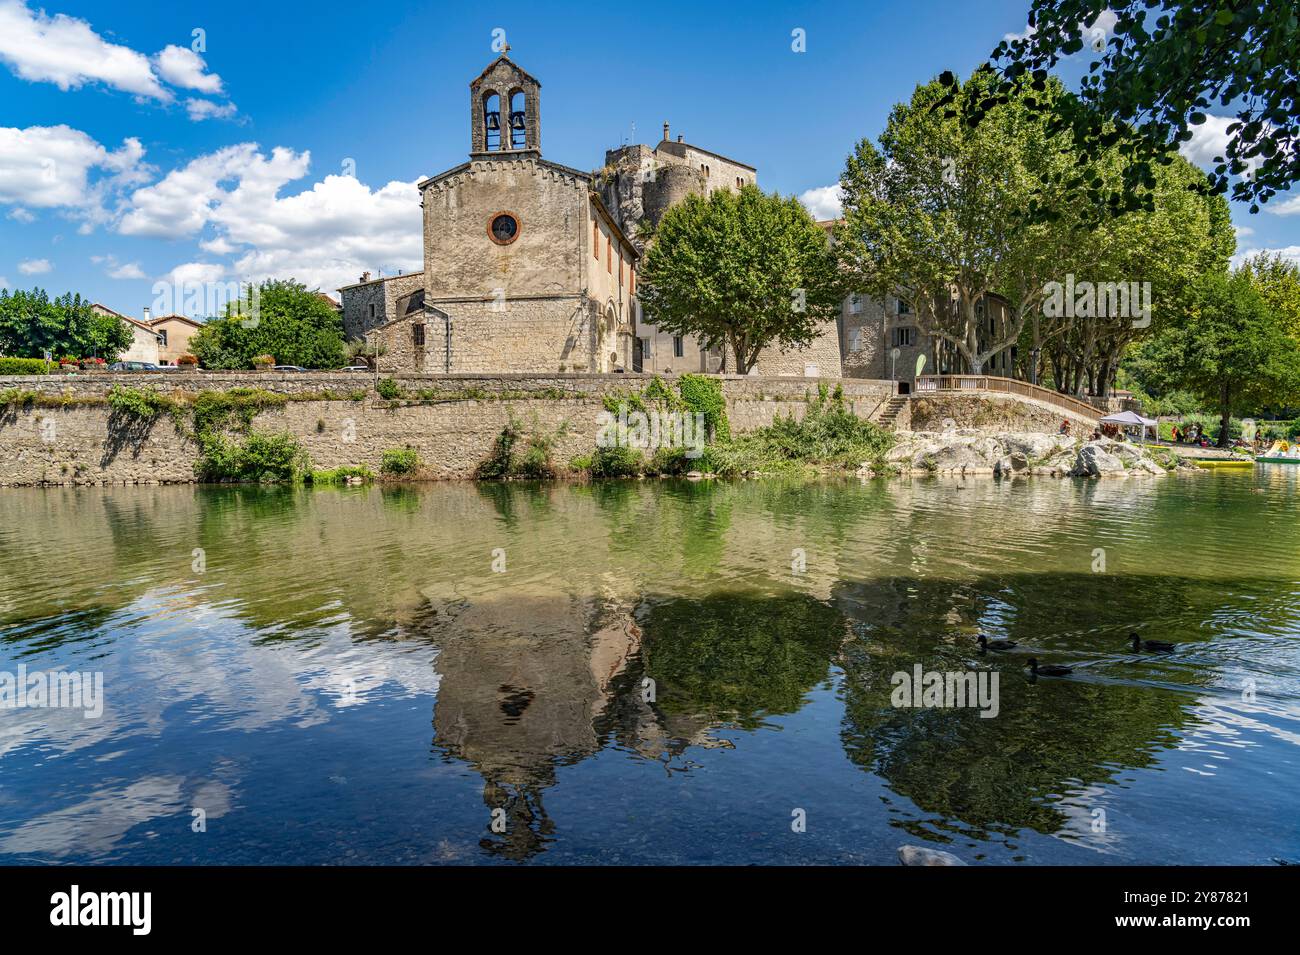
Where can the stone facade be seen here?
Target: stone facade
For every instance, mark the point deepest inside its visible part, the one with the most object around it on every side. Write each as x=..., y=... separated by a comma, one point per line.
x=375, y=302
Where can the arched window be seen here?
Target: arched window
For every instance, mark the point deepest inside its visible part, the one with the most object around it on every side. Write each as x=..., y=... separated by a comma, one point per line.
x=491, y=121
x=518, y=128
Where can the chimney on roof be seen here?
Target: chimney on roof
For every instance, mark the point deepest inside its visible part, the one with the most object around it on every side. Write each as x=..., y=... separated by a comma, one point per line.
x=679, y=137
x=365, y=276
x=665, y=130
x=147, y=314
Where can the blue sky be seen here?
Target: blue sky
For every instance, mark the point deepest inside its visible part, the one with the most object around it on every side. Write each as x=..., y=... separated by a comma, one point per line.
x=126, y=157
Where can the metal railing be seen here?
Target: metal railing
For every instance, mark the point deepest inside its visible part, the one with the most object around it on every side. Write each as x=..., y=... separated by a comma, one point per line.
x=929, y=384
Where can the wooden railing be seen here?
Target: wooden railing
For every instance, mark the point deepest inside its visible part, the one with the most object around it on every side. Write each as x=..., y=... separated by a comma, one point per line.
x=928, y=384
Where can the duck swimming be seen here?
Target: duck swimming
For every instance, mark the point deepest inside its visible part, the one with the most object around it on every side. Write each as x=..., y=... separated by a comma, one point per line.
x=1048, y=669
x=1158, y=646
x=987, y=644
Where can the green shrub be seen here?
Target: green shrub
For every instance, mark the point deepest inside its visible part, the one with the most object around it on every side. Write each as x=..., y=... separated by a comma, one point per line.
x=497, y=463
x=26, y=366
x=143, y=403
x=399, y=461
x=616, y=462
x=261, y=457
x=388, y=389
x=339, y=475
x=703, y=395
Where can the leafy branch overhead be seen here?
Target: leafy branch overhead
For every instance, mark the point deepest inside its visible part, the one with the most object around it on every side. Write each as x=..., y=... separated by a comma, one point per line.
x=1156, y=77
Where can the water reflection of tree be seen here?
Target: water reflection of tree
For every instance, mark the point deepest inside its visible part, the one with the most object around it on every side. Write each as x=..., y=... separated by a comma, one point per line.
x=736, y=657
x=1004, y=773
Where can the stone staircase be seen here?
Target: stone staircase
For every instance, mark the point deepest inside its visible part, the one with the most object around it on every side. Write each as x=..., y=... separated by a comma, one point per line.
x=896, y=413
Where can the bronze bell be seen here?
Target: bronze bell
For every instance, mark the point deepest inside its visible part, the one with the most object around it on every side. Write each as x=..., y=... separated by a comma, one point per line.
x=493, y=119
x=517, y=119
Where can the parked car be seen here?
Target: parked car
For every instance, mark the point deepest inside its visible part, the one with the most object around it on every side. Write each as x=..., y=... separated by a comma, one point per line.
x=133, y=366
x=356, y=368
x=287, y=368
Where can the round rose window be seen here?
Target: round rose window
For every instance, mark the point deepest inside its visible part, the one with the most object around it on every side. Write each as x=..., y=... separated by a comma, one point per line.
x=504, y=228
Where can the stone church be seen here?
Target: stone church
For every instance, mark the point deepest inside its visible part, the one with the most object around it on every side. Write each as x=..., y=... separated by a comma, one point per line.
x=530, y=266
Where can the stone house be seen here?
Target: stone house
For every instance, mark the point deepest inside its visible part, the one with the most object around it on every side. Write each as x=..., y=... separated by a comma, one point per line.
x=174, y=334
x=871, y=330
x=144, y=340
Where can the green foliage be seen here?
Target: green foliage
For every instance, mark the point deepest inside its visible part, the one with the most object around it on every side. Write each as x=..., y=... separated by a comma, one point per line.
x=338, y=475
x=284, y=320
x=268, y=458
x=142, y=403
x=32, y=322
x=1159, y=75
x=522, y=455
x=741, y=270
x=26, y=366
x=498, y=462
x=829, y=434
x=398, y=461
x=703, y=395
x=389, y=389
x=616, y=461
x=1002, y=207
x=1231, y=350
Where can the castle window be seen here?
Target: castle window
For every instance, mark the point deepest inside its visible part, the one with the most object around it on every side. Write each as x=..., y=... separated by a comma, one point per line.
x=904, y=308
x=372, y=313
x=620, y=268
x=491, y=121
x=609, y=256
x=595, y=239
x=904, y=337
x=855, y=340
x=679, y=347
x=855, y=303
x=631, y=280
x=417, y=335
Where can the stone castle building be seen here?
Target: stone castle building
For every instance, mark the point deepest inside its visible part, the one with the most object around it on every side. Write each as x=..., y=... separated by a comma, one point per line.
x=530, y=266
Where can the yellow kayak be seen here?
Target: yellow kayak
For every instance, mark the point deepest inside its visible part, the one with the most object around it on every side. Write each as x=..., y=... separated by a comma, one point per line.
x=1213, y=463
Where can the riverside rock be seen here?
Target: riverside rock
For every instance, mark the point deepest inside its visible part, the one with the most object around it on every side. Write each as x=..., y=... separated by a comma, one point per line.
x=1020, y=454
x=919, y=855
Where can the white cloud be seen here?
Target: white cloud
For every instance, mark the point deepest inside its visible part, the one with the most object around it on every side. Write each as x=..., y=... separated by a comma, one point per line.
x=35, y=267
x=324, y=236
x=51, y=167
x=185, y=68
x=201, y=109
x=1290, y=252
x=1290, y=207
x=19, y=214
x=65, y=51
x=1241, y=231
x=825, y=202
x=118, y=270
x=192, y=273
x=1210, y=141
x=4, y=282
x=1094, y=34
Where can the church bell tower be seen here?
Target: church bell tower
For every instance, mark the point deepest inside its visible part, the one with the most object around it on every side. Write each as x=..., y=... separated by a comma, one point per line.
x=505, y=112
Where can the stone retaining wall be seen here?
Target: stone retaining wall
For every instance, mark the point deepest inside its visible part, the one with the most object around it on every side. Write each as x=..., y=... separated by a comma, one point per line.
x=991, y=411
x=78, y=444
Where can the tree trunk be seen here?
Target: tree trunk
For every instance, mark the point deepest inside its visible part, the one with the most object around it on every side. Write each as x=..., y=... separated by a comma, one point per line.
x=1225, y=417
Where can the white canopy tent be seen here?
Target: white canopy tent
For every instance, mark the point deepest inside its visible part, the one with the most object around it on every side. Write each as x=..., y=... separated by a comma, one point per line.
x=1130, y=419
